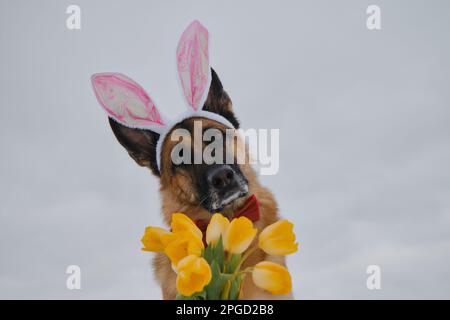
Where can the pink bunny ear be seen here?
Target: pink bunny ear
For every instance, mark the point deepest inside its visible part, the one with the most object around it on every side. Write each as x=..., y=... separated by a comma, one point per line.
x=126, y=101
x=193, y=64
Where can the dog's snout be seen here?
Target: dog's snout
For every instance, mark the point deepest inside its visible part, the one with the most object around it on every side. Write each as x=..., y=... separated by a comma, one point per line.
x=224, y=184
x=221, y=178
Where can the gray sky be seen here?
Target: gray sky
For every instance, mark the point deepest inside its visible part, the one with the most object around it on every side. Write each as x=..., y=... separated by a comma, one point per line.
x=363, y=118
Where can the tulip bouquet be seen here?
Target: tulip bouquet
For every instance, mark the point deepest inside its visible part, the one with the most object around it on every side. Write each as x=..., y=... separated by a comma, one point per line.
x=210, y=267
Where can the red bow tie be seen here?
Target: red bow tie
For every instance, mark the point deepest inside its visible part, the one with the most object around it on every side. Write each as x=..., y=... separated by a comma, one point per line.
x=250, y=210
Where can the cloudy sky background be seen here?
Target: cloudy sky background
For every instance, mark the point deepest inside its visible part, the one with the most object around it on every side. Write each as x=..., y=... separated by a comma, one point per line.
x=364, y=126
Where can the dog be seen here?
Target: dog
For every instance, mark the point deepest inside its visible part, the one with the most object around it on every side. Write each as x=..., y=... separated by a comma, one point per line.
x=195, y=188
x=198, y=190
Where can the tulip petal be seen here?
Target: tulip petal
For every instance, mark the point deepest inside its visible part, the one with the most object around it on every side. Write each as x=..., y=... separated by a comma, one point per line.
x=216, y=228
x=272, y=277
x=239, y=235
x=156, y=239
x=186, y=243
x=181, y=222
x=194, y=273
x=278, y=238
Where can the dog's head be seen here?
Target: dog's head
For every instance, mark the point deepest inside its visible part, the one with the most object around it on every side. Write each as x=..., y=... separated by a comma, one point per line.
x=182, y=153
x=207, y=184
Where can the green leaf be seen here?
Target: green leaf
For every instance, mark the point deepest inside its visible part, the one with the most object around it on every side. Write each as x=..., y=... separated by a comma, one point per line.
x=226, y=291
x=235, y=288
x=233, y=263
x=219, y=252
x=201, y=295
x=214, y=287
x=208, y=254
x=214, y=255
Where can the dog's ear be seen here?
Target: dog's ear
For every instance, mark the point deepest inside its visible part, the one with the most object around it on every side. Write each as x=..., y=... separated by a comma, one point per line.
x=218, y=100
x=140, y=144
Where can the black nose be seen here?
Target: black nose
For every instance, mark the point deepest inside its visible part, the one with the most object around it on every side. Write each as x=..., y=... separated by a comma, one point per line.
x=221, y=178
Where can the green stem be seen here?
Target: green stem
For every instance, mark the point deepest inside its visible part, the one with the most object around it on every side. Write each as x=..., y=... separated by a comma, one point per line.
x=227, y=259
x=226, y=291
x=246, y=255
x=236, y=274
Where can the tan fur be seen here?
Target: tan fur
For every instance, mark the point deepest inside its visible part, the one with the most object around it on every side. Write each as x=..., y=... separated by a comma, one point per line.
x=178, y=195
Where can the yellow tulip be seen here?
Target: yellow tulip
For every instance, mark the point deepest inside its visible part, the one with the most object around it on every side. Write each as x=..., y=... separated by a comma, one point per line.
x=185, y=243
x=216, y=228
x=156, y=239
x=278, y=238
x=239, y=235
x=194, y=274
x=181, y=222
x=272, y=277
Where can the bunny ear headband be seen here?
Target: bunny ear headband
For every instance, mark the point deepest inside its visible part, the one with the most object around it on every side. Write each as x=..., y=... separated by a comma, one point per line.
x=127, y=102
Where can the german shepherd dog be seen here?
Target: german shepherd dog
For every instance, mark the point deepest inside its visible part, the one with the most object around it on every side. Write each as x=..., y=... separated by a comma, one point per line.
x=199, y=190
